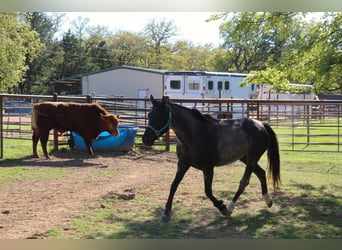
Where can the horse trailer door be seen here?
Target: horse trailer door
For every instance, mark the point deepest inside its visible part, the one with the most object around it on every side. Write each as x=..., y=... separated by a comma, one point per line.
x=174, y=86
x=194, y=86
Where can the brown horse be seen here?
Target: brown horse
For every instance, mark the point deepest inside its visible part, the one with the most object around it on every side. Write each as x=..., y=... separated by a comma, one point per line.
x=205, y=142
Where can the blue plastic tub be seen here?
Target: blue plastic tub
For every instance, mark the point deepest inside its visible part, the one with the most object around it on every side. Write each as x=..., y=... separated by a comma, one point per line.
x=108, y=142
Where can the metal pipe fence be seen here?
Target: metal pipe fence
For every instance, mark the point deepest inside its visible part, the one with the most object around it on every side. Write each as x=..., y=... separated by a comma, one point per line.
x=300, y=125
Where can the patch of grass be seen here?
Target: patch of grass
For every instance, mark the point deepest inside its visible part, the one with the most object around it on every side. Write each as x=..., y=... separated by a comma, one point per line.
x=10, y=175
x=54, y=233
x=16, y=152
x=314, y=136
x=308, y=206
x=16, y=148
x=104, y=173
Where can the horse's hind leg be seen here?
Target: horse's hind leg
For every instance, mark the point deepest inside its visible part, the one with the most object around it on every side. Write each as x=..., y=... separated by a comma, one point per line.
x=44, y=137
x=181, y=170
x=243, y=184
x=260, y=173
x=208, y=180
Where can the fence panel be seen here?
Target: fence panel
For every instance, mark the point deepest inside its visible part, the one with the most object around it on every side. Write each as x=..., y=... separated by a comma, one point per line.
x=299, y=125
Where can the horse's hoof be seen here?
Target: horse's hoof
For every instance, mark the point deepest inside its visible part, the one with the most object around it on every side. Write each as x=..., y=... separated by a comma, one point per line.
x=225, y=212
x=268, y=200
x=165, y=218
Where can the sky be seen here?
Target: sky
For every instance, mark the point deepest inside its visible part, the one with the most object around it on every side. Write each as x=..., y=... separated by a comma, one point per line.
x=191, y=25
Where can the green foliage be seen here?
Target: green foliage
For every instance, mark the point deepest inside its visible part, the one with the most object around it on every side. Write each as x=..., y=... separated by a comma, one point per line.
x=126, y=48
x=252, y=38
x=18, y=46
x=312, y=56
x=158, y=35
x=187, y=56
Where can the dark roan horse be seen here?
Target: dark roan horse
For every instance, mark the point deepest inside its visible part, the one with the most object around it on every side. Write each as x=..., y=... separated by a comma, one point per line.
x=204, y=142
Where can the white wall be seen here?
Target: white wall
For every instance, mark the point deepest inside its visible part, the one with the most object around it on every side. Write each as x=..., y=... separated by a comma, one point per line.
x=122, y=82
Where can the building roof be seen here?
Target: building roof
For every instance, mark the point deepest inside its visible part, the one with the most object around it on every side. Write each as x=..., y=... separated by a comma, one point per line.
x=208, y=73
x=77, y=79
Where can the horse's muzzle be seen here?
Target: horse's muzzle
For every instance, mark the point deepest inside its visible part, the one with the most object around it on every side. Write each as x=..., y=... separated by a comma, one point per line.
x=148, y=138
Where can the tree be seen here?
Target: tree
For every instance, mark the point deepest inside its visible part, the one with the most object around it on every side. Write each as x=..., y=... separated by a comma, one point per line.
x=43, y=68
x=327, y=55
x=315, y=59
x=79, y=27
x=126, y=48
x=186, y=56
x=252, y=38
x=158, y=34
x=96, y=47
x=19, y=45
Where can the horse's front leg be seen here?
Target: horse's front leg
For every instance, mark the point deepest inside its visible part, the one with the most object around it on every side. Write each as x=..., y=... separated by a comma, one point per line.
x=181, y=170
x=208, y=180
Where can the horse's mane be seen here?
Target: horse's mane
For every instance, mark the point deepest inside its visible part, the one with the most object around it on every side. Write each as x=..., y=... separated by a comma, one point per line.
x=198, y=114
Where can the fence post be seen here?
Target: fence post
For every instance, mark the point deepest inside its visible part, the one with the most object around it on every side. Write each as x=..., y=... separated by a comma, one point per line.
x=307, y=114
x=55, y=132
x=89, y=99
x=167, y=141
x=258, y=111
x=338, y=127
x=292, y=125
x=55, y=97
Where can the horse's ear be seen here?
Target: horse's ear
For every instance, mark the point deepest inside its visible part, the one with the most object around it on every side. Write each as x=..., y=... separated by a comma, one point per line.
x=166, y=99
x=153, y=101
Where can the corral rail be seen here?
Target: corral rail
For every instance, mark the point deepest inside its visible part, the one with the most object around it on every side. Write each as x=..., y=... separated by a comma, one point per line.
x=300, y=124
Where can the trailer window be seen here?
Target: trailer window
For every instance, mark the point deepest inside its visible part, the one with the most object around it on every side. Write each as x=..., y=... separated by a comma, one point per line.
x=219, y=85
x=194, y=86
x=226, y=85
x=175, y=84
x=210, y=85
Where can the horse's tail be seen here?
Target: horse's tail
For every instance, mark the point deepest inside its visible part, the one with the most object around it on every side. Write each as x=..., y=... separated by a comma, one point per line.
x=273, y=157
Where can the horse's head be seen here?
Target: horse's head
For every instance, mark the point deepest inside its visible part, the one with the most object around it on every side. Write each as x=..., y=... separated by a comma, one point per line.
x=159, y=120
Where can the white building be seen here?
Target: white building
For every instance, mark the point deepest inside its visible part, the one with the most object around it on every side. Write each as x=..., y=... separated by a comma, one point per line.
x=124, y=81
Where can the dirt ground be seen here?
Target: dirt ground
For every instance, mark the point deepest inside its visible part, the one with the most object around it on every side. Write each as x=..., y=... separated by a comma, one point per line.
x=30, y=207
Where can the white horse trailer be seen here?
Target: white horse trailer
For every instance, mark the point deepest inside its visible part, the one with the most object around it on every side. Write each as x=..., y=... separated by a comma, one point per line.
x=204, y=84
x=299, y=92
x=208, y=85
x=184, y=84
x=227, y=85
